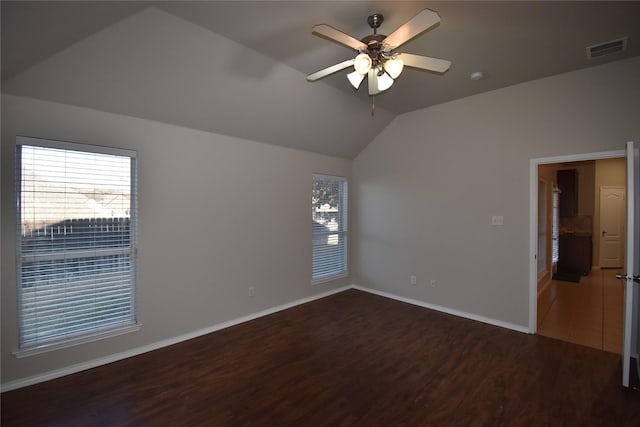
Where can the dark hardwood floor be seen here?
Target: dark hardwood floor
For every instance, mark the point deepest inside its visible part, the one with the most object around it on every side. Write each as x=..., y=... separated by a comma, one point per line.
x=349, y=359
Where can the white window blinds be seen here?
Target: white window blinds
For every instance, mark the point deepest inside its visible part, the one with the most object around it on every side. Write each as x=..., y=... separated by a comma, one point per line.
x=76, y=239
x=555, y=225
x=329, y=228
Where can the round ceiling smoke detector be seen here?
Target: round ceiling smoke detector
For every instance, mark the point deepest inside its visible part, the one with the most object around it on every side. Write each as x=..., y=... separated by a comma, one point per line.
x=477, y=75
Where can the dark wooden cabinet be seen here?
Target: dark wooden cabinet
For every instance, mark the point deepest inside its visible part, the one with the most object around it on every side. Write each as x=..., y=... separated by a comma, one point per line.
x=574, y=254
x=568, y=185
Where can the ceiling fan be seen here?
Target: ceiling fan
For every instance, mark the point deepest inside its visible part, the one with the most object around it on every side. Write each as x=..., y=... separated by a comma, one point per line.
x=376, y=58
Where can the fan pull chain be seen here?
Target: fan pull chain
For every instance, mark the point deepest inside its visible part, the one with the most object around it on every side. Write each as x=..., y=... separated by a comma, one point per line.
x=373, y=105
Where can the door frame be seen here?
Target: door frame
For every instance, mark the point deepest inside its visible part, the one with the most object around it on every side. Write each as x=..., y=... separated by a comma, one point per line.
x=533, y=219
x=631, y=270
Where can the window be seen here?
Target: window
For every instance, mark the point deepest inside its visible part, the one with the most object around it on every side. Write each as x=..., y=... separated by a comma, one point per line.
x=76, y=242
x=555, y=225
x=542, y=228
x=329, y=228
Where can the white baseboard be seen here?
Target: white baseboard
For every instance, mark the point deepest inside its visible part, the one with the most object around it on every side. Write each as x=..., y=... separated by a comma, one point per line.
x=544, y=287
x=12, y=385
x=458, y=313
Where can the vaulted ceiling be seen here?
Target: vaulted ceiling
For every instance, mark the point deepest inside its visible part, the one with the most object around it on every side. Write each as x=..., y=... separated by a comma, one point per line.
x=238, y=68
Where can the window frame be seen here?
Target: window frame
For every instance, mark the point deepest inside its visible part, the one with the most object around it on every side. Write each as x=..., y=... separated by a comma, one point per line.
x=343, y=230
x=542, y=255
x=99, y=332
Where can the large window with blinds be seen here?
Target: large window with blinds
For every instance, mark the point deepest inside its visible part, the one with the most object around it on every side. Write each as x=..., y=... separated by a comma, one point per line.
x=76, y=243
x=329, y=228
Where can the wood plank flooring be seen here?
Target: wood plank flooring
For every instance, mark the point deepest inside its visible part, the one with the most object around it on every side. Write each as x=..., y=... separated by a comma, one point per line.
x=351, y=359
x=587, y=313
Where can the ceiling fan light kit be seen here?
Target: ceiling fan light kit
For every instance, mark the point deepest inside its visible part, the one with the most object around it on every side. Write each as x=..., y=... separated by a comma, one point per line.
x=394, y=67
x=362, y=64
x=355, y=79
x=376, y=58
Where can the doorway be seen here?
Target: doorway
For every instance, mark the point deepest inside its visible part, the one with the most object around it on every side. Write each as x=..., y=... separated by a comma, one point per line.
x=588, y=311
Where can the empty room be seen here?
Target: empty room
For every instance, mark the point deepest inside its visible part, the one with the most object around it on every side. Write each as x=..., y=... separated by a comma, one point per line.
x=234, y=213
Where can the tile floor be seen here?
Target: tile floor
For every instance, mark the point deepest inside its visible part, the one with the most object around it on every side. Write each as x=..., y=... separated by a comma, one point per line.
x=588, y=313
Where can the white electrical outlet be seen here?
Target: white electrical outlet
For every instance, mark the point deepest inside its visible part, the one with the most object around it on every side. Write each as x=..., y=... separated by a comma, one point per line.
x=433, y=283
x=252, y=291
x=413, y=280
x=497, y=220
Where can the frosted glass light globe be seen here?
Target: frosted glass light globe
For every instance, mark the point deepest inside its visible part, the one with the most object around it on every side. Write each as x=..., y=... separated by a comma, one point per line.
x=362, y=64
x=384, y=82
x=355, y=78
x=394, y=67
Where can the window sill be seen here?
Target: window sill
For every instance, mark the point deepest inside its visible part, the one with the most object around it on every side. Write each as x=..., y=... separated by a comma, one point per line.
x=329, y=277
x=34, y=349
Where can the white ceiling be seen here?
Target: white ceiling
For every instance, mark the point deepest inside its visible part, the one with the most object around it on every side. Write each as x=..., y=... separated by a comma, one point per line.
x=238, y=68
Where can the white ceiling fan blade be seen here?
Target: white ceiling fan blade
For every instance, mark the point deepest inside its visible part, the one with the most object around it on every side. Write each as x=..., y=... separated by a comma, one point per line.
x=373, y=82
x=338, y=36
x=425, y=62
x=416, y=25
x=330, y=70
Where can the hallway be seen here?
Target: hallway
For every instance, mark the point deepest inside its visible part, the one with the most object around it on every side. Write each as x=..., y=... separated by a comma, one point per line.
x=588, y=313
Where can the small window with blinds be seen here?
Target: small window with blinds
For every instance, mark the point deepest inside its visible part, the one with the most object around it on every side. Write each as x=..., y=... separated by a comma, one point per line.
x=76, y=243
x=329, y=228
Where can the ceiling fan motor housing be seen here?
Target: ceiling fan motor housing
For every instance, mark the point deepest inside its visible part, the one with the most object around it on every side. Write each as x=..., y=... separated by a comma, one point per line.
x=374, y=47
x=374, y=41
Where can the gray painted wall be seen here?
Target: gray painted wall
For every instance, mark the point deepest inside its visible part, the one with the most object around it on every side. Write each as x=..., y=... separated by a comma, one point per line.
x=427, y=187
x=423, y=194
x=240, y=213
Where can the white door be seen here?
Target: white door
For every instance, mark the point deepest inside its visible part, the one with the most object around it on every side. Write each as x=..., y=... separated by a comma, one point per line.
x=612, y=213
x=631, y=339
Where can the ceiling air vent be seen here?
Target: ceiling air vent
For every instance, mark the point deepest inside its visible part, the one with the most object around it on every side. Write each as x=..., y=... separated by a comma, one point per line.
x=607, y=48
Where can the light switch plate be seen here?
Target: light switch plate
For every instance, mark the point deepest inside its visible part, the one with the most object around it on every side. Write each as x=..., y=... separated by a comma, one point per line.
x=497, y=220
